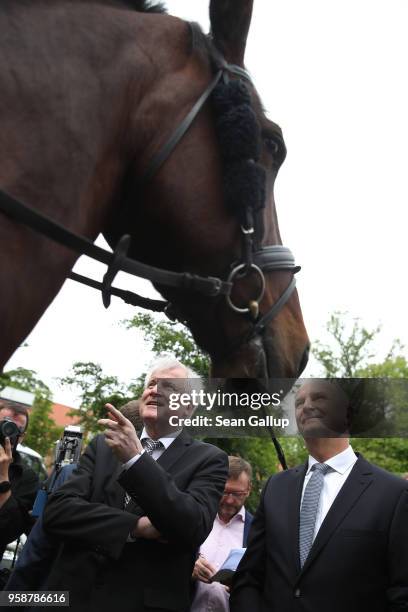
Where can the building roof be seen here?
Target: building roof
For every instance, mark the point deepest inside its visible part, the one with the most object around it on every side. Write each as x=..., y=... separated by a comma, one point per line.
x=61, y=417
x=17, y=395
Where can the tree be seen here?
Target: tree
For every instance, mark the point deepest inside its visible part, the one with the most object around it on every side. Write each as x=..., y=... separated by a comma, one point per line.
x=351, y=347
x=26, y=380
x=352, y=356
x=42, y=432
x=174, y=338
x=95, y=390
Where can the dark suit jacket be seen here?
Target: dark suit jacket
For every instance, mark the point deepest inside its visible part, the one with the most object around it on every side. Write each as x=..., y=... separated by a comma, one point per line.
x=358, y=561
x=36, y=559
x=14, y=514
x=179, y=493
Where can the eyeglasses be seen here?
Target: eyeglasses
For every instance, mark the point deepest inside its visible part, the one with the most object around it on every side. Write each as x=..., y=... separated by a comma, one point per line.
x=235, y=494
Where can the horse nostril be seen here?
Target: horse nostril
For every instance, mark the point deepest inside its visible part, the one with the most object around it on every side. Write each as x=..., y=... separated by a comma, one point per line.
x=304, y=360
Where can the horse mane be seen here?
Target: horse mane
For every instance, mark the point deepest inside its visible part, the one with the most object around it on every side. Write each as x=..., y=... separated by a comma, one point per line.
x=144, y=6
x=239, y=136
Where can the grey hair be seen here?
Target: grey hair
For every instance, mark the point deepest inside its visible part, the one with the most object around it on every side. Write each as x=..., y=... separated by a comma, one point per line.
x=168, y=362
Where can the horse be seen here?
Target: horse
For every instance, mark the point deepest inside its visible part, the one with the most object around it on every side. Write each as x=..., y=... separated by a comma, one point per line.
x=93, y=96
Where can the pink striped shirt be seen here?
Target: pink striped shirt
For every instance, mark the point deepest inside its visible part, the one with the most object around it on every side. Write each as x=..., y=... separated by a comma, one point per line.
x=223, y=537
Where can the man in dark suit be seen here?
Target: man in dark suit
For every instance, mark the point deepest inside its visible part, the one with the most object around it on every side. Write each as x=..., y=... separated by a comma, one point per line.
x=331, y=535
x=133, y=516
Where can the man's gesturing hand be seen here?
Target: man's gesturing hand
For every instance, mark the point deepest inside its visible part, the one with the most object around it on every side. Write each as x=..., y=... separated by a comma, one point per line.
x=120, y=435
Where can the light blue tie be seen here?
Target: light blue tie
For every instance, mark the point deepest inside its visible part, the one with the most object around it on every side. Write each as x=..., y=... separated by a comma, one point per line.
x=308, y=511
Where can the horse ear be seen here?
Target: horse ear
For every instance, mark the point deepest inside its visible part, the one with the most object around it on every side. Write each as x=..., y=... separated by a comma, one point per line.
x=230, y=20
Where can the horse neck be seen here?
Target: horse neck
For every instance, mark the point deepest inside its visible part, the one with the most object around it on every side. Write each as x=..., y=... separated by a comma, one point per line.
x=77, y=76
x=82, y=71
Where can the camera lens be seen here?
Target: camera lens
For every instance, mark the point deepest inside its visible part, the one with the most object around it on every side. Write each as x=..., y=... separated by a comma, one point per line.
x=8, y=429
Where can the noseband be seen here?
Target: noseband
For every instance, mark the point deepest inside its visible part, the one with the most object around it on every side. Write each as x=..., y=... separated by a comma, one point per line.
x=253, y=260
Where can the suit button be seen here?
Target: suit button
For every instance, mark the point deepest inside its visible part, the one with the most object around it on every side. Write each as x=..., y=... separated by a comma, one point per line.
x=297, y=593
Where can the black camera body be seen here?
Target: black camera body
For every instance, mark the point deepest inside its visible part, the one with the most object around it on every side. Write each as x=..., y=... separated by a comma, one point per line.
x=8, y=429
x=68, y=449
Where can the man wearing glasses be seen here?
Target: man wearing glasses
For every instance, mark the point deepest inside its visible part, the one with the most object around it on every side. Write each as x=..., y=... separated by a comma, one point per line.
x=230, y=530
x=18, y=484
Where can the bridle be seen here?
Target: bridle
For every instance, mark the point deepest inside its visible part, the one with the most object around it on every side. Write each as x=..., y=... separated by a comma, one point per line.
x=253, y=260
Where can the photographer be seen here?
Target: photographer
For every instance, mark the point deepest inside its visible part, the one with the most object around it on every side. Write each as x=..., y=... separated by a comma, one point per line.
x=18, y=484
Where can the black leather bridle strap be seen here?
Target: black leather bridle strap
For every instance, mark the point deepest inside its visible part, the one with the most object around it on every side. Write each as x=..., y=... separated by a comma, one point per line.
x=47, y=227
x=260, y=325
x=127, y=296
x=39, y=222
x=158, y=160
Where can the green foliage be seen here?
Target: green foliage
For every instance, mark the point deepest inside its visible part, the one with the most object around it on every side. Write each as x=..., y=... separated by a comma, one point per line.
x=95, y=390
x=351, y=347
x=352, y=357
x=394, y=366
x=389, y=453
x=26, y=380
x=174, y=338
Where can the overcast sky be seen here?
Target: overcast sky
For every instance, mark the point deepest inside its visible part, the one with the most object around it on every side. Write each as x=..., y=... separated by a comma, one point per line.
x=332, y=74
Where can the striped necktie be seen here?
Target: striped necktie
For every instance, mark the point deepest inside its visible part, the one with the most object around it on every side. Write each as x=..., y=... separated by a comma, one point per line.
x=149, y=446
x=308, y=511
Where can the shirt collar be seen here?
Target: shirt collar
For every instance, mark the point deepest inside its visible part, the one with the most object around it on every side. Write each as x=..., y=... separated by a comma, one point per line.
x=339, y=463
x=166, y=440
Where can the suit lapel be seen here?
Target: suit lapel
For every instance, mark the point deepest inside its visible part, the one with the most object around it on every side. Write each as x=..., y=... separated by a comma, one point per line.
x=174, y=451
x=359, y=479
x=166, y=460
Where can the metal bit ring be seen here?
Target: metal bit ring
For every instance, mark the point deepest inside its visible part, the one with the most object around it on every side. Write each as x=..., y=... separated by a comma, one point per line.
x=231, y=277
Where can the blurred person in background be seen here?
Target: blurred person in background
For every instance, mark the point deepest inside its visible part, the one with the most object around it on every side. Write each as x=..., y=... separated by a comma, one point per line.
x=18, y=483
x=230, y=530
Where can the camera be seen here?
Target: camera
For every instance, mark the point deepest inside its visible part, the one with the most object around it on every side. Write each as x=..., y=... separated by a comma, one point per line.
x=8, y=429
x=68, y=448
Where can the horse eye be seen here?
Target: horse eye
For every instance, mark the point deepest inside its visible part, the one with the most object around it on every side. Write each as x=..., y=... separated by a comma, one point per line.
x=276, y=148
x=272, y=145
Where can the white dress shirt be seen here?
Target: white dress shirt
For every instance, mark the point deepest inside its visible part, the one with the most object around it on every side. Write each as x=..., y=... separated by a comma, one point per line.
x=166, y=441
x=341, y=465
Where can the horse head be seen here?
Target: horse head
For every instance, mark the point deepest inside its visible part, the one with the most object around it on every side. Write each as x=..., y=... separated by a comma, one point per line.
x=208, y=208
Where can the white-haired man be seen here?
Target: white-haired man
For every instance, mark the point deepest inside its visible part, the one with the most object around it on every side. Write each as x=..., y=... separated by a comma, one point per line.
x=134, y=515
